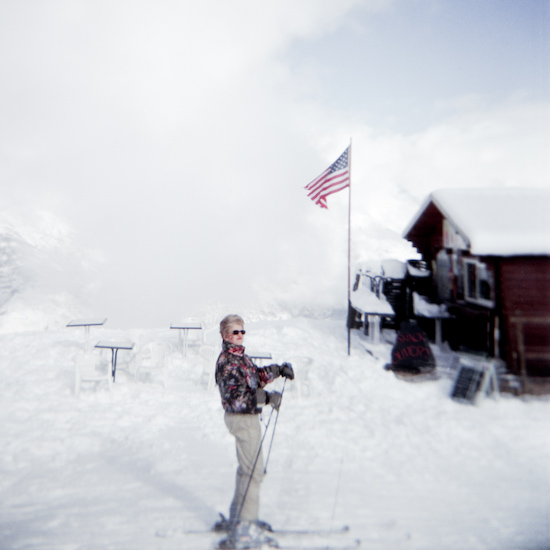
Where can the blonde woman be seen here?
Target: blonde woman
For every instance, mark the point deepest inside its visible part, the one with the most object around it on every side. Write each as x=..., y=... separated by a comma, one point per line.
x=241, y=384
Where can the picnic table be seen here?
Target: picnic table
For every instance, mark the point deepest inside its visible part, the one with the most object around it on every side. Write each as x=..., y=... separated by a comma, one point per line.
x=373, y=309
x=184, y=328
x=437, y=312
x=114, y=347
x=87, y=323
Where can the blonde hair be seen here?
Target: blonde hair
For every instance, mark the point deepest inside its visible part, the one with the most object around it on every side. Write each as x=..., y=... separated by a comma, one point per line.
x=229, y=320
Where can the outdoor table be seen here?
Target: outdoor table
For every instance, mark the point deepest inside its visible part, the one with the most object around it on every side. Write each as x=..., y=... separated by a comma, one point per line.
x=374, y=321
x=184, y=329
x=437, y=312
x=114, y=347
x=438, y=328
x=260, y=356
x=87, y=323
x=373, y=309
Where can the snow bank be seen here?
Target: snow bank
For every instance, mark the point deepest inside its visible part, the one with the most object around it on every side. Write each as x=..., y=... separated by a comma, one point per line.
x=402, y=464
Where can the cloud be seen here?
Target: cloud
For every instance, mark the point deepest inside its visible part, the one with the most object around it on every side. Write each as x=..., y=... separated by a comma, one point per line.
x=481, y=145
x=175, y=140
x=163, y=132
x=44, y=277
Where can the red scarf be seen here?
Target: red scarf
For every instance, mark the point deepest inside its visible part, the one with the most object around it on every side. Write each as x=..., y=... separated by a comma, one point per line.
x=235, y=350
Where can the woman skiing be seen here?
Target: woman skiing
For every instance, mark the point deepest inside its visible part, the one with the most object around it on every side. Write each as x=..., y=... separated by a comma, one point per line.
x=241, y=384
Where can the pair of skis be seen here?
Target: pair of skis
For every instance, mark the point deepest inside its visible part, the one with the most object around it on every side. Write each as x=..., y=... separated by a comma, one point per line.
x=288, y=540
x=322, y=546
x=287, y=534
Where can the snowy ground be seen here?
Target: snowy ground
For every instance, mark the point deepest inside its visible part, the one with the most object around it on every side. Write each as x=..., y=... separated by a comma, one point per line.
x=401, y=463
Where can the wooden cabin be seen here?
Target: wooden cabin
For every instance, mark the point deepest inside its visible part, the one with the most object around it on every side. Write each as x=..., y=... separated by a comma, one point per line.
x=489, y=251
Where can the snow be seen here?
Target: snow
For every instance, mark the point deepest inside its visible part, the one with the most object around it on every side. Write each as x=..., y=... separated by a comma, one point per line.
x=366, y=301
x=417, y=272
x=402, y=464
x=426, y=309
x=45, y=278
x=496, y=221
x=394, y=269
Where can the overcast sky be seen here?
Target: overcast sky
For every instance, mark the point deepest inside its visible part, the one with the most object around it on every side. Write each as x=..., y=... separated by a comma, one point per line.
x=175, y=138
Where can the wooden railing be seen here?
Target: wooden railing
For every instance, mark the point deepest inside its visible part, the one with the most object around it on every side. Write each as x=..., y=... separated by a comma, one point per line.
x=525, y=352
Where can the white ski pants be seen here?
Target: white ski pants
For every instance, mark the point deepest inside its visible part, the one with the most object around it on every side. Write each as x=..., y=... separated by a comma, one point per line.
x=248, y=436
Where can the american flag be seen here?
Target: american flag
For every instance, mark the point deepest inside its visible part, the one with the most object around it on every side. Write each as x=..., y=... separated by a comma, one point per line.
x=333, y=179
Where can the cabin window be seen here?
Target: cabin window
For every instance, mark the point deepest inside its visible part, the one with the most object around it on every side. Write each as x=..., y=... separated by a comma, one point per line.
x=479, y=283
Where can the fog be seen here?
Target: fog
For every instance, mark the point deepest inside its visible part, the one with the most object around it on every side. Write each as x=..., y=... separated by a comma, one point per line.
x=156, y=153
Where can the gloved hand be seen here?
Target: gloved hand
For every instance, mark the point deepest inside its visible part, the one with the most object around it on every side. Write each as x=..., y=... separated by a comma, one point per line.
x=274, y=399
x=261, y=397
x=286, y=370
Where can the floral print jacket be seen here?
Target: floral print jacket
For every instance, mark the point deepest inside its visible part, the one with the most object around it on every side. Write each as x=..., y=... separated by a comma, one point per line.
x=238, y=379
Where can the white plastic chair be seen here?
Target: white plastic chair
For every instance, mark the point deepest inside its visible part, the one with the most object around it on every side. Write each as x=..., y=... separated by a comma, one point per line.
x=209, y=355
x=207, y=331
x=152, y=358
x=91, y=367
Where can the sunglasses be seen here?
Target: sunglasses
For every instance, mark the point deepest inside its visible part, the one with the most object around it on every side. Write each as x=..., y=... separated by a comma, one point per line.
x=243, y=332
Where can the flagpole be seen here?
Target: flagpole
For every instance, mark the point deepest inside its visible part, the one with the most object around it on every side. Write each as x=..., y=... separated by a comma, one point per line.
x=334, y=179
x=349, y=252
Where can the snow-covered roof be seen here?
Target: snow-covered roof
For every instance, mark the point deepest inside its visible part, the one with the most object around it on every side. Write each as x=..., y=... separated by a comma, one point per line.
x=495, y=221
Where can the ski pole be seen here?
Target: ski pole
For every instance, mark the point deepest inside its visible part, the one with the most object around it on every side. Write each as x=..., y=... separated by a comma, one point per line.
x=274, y=428
x=241, y=505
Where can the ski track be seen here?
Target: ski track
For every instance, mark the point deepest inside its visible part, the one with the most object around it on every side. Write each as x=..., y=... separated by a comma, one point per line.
x=400, y=463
